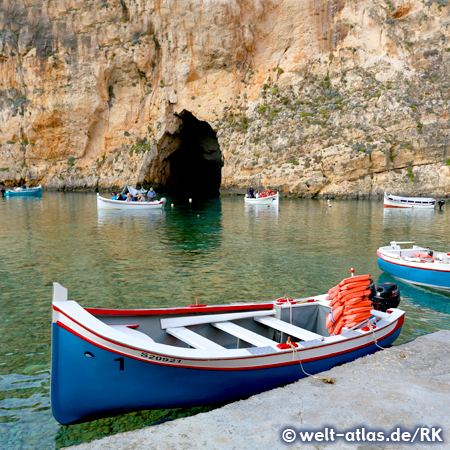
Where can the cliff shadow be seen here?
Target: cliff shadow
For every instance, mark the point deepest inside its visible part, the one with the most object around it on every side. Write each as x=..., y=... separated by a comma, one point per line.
x=194, y=169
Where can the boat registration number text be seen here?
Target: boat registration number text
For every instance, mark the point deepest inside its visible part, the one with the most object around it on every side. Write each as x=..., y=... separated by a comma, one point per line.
x=160, y=358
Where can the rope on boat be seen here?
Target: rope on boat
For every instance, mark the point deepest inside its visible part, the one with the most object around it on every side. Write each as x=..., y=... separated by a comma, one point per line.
x=372, y=329
x=317, y=377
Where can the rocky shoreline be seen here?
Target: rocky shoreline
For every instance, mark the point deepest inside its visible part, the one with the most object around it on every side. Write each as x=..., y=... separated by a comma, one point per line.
x=352, y=104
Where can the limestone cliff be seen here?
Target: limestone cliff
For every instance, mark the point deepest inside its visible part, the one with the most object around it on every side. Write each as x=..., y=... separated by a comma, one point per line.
x=311, y=97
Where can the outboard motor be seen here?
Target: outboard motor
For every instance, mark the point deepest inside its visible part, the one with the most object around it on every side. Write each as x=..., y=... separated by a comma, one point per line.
x=3, y=192
x=387, y=296
x=441, y=204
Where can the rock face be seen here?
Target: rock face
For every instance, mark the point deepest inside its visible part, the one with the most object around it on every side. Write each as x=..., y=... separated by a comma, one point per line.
x=312, y=98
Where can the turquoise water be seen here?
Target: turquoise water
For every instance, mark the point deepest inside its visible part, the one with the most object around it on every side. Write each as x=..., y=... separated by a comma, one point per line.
x=218, y=251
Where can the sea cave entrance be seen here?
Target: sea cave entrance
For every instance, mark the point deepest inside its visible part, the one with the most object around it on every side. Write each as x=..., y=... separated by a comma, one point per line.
x=194, y=169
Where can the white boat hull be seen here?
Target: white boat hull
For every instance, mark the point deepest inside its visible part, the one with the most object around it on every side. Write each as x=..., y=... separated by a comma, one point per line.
x=104, y=203
x=394, y=201
x=271, y=200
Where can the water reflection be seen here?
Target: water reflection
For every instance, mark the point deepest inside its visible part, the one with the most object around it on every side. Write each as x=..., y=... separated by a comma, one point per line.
x=430, y=298
x=194, y=229
x=402, y=216
x=120, y=219
x=261, y=212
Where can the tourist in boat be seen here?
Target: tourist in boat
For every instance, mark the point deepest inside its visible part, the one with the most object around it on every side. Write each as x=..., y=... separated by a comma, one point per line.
x=251, y=192
x=129, y=198
x=151, y=195
x=113, y=196
x=120, y=197
x=258, y=194
x=140, y=198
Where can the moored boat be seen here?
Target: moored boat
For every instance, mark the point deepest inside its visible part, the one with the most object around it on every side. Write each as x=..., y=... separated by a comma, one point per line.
x=24, y=192
x=395, y=201
x=105, y=203
x=267, y=200
x=417, y=265
x=106, y=361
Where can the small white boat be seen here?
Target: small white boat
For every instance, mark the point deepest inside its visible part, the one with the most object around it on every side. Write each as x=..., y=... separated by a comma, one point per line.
x=417, y=265
x=268, y=200
x=105, y=203
x=395, y=201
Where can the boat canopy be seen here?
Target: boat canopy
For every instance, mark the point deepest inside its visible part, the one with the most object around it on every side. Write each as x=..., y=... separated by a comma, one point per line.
x=133, y=191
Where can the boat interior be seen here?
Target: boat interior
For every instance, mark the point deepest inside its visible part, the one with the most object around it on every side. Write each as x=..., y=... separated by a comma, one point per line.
x=230, y=330
x=416, y=254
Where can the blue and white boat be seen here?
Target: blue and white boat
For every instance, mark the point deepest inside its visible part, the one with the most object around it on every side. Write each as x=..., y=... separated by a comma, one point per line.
x=107, y=361
x=417, y=265
x=24, y=192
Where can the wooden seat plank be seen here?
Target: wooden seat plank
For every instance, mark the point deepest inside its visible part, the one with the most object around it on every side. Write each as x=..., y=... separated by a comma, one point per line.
x=193, y=339
x=246, y=335
x=186, y=321
x=292, y=330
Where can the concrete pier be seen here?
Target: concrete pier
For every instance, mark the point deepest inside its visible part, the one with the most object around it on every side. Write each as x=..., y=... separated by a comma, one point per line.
x=403, y=389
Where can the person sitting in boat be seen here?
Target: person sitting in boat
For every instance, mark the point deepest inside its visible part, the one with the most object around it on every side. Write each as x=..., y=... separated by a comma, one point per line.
x=129, y=198
x=151, y=195
x=268, y=192
x=258, y=194
x=120, y=197
x=251, y=192
x=113, y=196
x=140, y=198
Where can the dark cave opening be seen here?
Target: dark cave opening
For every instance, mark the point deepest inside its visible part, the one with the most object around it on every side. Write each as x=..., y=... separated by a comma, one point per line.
x=195, y=167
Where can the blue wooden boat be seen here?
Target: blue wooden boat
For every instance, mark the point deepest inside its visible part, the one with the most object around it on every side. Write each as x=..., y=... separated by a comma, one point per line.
x=107, y=361
x=24, y=192
x=417, y=265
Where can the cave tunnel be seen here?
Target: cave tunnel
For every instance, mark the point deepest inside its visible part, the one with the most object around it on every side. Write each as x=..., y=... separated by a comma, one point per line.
x=195, y=167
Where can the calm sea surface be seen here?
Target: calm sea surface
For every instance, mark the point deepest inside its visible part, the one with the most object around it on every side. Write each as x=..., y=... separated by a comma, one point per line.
x=218, y=251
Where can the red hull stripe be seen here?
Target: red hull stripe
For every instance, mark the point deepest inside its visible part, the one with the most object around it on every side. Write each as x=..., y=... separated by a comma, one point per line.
x=410, y=267
x=183, y=310
x=398, y=325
